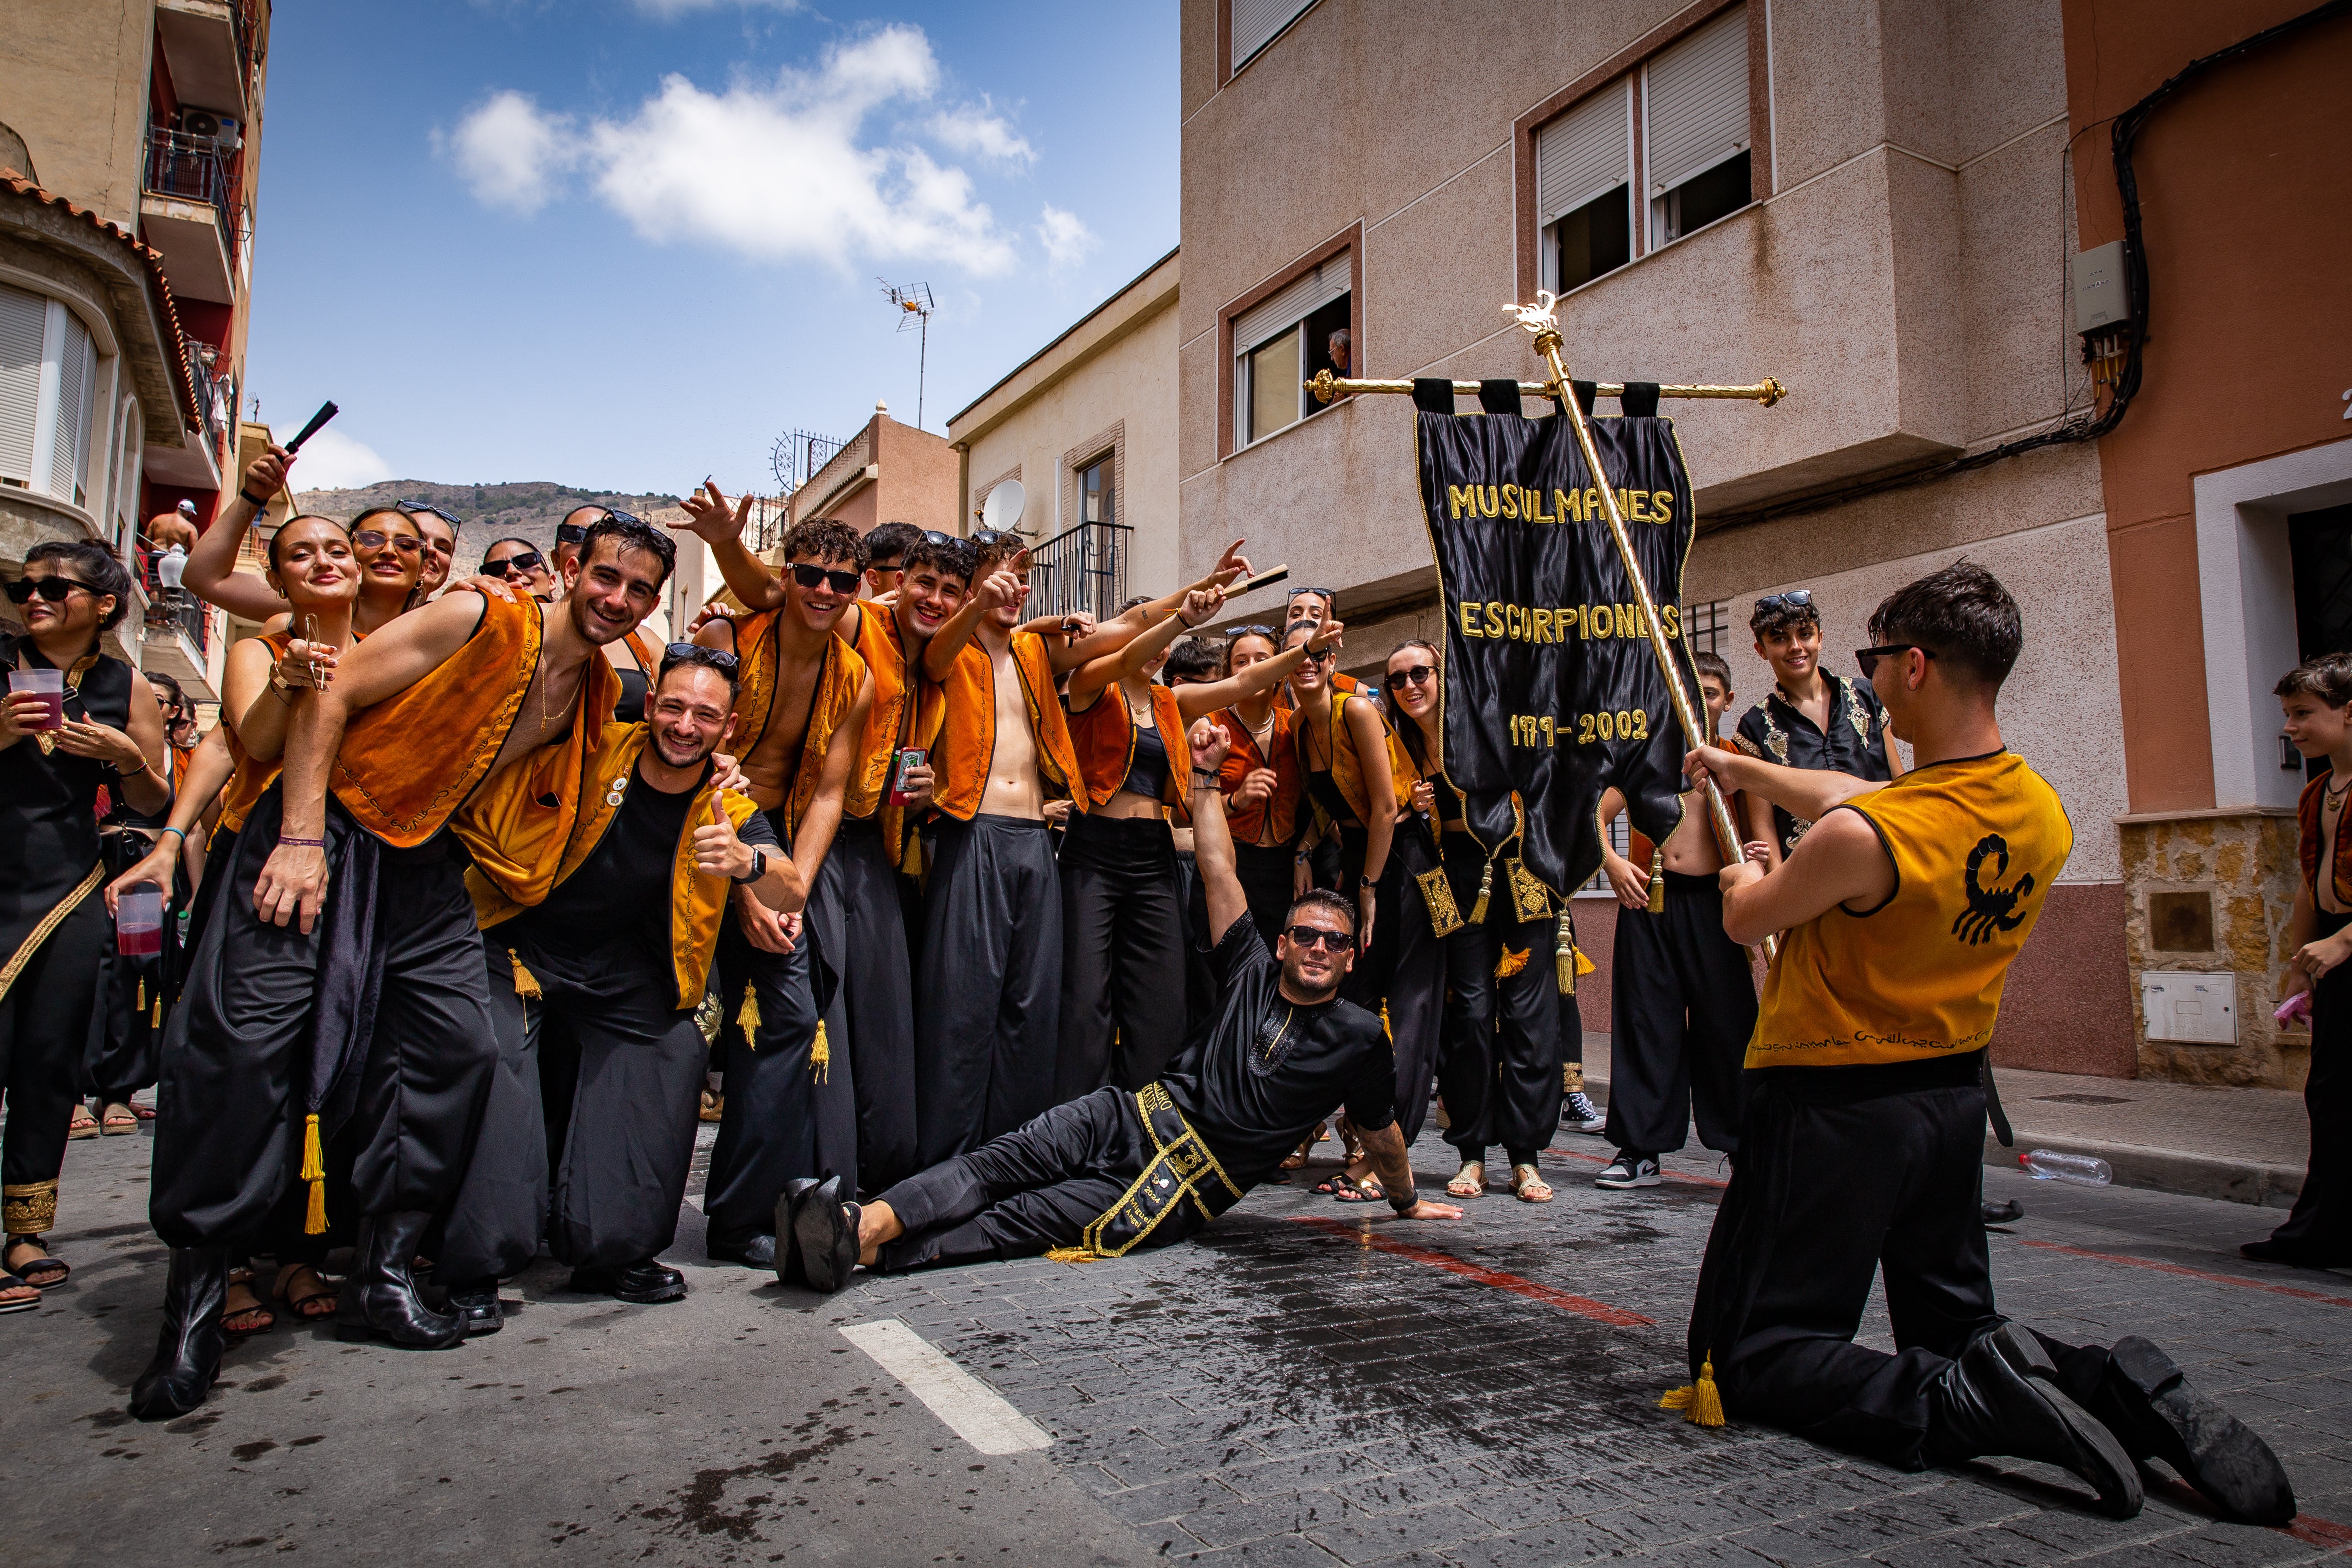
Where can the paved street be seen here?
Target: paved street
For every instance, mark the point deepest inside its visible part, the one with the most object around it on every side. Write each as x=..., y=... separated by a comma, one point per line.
x=1297, y=1387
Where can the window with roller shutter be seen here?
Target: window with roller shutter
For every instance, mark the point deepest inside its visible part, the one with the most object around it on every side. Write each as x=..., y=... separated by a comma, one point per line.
x=1281, y=342
x=1254, y=24
x=1696, y=100
x=48, y=373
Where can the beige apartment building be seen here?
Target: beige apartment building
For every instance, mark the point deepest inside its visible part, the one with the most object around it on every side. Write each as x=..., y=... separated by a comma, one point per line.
x=131, y=131
x=1087, y=427
x=1869, y=202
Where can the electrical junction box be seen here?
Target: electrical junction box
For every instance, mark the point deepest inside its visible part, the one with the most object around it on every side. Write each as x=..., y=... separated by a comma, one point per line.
x=2100, y=298
x=2190, y=1006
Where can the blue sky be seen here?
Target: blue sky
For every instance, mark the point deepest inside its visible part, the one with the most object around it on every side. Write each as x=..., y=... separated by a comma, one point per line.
x=625, y=243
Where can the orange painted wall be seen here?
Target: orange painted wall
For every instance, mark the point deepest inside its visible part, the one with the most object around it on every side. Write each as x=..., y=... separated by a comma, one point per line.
x=2246, y=210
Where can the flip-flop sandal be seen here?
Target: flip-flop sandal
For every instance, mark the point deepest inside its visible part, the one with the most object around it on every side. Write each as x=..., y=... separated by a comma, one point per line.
x=300, y=1302
x=117, y=1120
x=1528, y=1186
x=41, y=1264
x=230, y=1325
x=1469, y=1181
x=83, y=1125
x=1330, y=1184
x=1349, y=1190
x=17, y=1303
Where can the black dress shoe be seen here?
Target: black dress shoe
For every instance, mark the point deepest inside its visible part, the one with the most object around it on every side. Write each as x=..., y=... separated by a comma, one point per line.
x=2147, y=1404
x=789, y=1270
x=2001, y=1397
x=2009, y=1211
x=380, y=1300
x=825, y=1228
x=188, y=1351
x=644, y=1282
x=754, y=1251
x=477, y=1306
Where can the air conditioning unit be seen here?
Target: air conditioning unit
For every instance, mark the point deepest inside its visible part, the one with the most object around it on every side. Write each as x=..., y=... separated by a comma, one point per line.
x=205, y=125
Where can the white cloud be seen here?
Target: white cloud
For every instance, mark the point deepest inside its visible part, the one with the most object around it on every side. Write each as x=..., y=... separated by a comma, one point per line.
x=978, y=130
x=1066, y=236
x=507, y=151
x=775, y=171
x=331, y=460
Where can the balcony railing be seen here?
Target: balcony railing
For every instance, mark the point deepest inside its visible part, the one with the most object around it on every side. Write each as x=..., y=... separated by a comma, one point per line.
x=1081, y=570
x=196, y=169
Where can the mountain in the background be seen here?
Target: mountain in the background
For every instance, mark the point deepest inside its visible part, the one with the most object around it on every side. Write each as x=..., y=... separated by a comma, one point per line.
x=528, y=511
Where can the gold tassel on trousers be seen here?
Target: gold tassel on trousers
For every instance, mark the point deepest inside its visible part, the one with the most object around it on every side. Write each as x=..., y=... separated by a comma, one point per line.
x=1657, y=881
x=157, y=1022
x=749, y=1018
x=314, y=1171
x=1486, y=886
x=1512, y=961
x=526, y=982
x=1564, y=955
x=821, y=1055
x=1701, y=1402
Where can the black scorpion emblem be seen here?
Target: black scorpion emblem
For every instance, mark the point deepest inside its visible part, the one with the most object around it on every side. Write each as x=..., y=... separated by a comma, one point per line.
x=1996, y=907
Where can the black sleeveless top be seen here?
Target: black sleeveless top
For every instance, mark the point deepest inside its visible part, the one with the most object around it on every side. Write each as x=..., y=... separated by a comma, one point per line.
x=1147, y=774
x=48, y=802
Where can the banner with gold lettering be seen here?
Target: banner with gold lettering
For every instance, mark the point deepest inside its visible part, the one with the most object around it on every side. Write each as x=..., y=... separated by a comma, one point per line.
x=1551, y=691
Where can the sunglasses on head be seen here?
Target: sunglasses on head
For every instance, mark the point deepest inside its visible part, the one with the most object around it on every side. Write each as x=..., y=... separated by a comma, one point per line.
x=811, y=576
x=52, y=589
x=413, y=507
x=1414, y=674
x=933, y=536
x=571, y=533
x=1316, y=936
x=1794, y=599
x=1866, y=658
x=1252, y=631
x=526, y=561
x=716, y=658
x=375, y=539
x=1323, y=594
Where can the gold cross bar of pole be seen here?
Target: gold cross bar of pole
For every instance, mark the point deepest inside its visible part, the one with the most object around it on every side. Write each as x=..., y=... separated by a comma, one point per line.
x=1767, y=392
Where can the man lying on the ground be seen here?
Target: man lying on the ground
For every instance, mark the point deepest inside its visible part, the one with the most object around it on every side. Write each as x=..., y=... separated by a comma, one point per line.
x=1115, y=1171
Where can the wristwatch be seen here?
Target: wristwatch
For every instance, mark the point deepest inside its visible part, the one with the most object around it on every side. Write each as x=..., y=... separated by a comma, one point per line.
x=758, y=866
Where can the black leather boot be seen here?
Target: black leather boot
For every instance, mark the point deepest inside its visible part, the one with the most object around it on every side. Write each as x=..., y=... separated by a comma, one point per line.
x=824, y=1229
x=2144, y=1399
x=788, y=1252
x=476, y=1302
x=188, y=1351
x=380, y=1300
x=2001, y=1397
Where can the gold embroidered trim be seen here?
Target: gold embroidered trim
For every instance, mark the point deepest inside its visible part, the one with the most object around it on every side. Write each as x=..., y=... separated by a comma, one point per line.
x=1175, y=1172
x=40, y=933
x=28, y=1209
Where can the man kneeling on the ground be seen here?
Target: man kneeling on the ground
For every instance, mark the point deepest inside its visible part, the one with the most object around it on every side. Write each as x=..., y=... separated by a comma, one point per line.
x=1116, y=1170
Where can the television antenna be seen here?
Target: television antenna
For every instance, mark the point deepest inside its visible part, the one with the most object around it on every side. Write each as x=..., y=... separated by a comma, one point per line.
x=915, y=309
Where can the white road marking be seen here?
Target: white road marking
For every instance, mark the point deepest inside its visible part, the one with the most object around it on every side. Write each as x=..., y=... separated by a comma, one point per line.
x=979, y=1414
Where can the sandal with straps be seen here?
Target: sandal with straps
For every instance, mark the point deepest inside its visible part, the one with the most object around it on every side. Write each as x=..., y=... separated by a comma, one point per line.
x=1348, y=1189
x=1528, y=1186
x=1469, y=1181
x=27, y=1268
x=299, y=1301
x=236, y=1321
x=117, y=1120
x=11, y=1298
x=83, y=1125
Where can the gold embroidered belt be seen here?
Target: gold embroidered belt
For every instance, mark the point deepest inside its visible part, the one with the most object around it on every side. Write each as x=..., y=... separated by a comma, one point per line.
x=1181, y=1170
x=49, y=922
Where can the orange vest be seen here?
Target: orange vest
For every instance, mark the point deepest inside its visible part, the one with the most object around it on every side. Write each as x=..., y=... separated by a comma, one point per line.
x=1281, y=808
x=886, y=719
x=251, y=780
x=1347, y=767
x=968, y=738
x=2309, y=837
x=1105, y=735
x=838, y=682
x=698, y=902
x=396, y=773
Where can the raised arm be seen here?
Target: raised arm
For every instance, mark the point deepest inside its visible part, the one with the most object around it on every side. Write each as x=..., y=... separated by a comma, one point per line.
x=990, y=594
x=1840, y=860
x=1804, y=792
x=1209, y=697
x=717, y=524
x=1125, y=628
x=1212, y=840
x=1099, y=675
x=208, y=770
x=211, y=574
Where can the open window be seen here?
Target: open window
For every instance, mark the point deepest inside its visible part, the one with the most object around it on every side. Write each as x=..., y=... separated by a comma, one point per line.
x=1584, y=182
x=1282, y=341
x=1695, y=97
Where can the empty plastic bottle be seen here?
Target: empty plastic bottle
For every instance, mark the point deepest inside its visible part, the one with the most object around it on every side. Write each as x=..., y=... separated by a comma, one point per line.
x=2047, y=1165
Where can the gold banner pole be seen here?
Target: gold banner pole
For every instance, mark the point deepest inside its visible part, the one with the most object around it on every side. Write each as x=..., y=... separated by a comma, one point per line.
x=1767, y=392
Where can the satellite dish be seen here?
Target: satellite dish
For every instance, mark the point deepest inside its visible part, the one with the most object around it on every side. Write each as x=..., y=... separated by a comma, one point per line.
x=1001, y=511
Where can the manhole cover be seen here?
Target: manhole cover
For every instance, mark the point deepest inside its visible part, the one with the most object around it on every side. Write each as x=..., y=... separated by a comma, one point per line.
x=2082, y=1100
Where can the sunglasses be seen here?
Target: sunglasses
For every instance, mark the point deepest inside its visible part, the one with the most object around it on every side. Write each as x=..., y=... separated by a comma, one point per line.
x=1794, y=599
x=986, y=536
x=1323, y=594
x=1252, y=631
x=526, y=562
x=413, y=507
x=376, y=539
x=1315, y=656
x=1316, y=936
x=716, y=658
x=1866, y=658
x=933, y=536
x=1413, y=674
x=52, y=589
x=809, y=576
x=570, y=532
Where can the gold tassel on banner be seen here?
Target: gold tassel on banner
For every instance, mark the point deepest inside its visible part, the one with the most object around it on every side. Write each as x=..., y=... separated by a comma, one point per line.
x=1511, y=963
x=1657, y=881
x=157, y=1022
x=314, y=1171
x=821, y=1055
x=1385, y=1021
x=749, y=1018
x=1564, y=955
x=1486, y=886
x=143, y=994
x=526, y=982
x=1701, y=1402
x=1072, y=1254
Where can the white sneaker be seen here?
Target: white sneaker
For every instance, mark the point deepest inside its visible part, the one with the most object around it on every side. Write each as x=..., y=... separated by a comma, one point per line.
x=1579, y=1114
x=1629, y=1169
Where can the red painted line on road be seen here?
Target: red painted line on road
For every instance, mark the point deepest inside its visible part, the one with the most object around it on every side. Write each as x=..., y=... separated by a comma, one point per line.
x=1582, y=1305
x=2320, y=1532
x=2296, y=1291
x=1670, y=1175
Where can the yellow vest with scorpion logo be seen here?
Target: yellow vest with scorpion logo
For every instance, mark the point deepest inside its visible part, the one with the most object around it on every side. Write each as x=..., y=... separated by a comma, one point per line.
x=1977, y=844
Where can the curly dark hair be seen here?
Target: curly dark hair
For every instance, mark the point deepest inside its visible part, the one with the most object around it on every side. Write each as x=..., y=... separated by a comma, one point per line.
x=887, y=544
x=95, y=566
x=2327, y=678
x=628, y=533
x=822, y=539
x=1960, y=614
x=950, y=557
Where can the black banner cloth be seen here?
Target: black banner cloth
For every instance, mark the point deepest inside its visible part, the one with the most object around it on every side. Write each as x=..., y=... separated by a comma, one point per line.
x=1551, y=691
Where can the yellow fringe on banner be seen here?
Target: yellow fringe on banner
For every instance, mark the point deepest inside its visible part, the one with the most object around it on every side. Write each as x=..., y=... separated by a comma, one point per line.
x=821, y=1056
x=1072, y=1254
x=1486, y=886
x=143, y=994
x=526, y=982
x=314, y=1171
x=1701, y=1402
x=157, y=1022
x=1511, y=963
